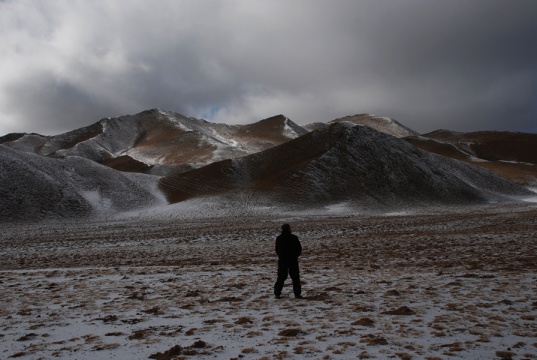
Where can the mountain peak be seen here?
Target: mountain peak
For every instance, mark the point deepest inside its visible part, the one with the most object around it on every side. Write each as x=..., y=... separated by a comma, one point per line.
x=380, y=123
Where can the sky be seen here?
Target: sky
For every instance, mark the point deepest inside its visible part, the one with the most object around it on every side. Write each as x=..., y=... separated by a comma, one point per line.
x=452, y=64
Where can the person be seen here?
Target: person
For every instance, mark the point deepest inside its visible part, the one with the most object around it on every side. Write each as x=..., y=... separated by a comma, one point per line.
x=288, y=249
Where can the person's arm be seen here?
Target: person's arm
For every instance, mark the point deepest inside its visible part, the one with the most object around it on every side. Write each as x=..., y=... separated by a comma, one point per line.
x=276, y=247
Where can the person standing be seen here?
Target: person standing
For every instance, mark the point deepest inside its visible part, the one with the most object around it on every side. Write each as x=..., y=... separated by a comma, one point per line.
x=288, y=249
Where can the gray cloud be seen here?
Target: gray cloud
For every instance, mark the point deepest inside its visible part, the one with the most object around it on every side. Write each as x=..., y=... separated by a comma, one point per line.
x=430, y=64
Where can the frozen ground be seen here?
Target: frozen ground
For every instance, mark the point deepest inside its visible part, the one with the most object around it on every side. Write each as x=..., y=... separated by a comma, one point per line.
x=456, y=283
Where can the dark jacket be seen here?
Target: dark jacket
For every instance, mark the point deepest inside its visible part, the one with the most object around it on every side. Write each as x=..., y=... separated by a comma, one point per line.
x=288, y=246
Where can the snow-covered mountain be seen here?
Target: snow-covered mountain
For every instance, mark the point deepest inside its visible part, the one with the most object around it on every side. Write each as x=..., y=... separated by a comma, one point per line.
x=342, y=163
x=156, y=141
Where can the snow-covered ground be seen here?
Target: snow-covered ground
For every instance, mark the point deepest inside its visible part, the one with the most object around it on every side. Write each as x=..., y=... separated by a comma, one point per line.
x=450, y=283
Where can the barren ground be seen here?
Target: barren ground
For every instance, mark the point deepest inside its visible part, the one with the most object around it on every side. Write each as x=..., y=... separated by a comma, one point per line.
x=457, y=283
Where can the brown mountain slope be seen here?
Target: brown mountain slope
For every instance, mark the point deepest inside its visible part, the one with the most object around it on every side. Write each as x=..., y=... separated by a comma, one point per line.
x=511, y=155
x=492, y=145
x=339, y=163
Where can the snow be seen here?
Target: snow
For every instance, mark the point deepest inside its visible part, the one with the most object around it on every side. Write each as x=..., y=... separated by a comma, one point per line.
x=532, y=199
x=132, y=288
x=516, y=162
x=291, y=130
x=398, y=213
x=143, y=156
x=382, y=118
x=174, y=120
x=97, y=201
x=339, y=208
x=476, y=159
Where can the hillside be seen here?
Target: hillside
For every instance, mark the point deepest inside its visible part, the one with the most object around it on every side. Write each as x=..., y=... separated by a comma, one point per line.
x=157, y=141
x=35, y=188
x=509, y=154
x=492, y=145
x=342, y=163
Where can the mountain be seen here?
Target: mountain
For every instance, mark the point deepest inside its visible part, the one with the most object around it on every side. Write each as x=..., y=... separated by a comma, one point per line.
x=512, y=155
x=342, y=162
x=157, y=141
x=379, y=123
x=166, y=157
x=35, y=188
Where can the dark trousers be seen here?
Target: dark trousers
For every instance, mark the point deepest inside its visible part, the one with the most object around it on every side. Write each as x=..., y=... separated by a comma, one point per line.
x=288, y=267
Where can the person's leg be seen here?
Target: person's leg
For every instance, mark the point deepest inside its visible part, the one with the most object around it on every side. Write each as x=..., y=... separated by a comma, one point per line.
x=282, y=276
x=294, y=272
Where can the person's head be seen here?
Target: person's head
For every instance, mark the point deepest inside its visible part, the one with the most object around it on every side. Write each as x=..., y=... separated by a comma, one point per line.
x=286, y=229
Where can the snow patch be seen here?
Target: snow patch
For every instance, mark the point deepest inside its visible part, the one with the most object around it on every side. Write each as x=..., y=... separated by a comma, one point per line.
x=343, y=207
x=476, y=159
x=97, y=201
x=288, y=131
x=399, y=213
x=383, y=118
x=531, y=199
x=516, y=162
x=142, y=156
x=174, y=120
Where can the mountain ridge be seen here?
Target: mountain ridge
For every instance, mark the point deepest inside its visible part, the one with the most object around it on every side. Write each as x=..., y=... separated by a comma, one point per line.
x=162, y=140
x=380, y=123
x=132, y=162
x=318, y=168
x=512, y=155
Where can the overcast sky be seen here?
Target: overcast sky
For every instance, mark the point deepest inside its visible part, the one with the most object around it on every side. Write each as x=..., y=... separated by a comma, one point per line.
x=454, y=64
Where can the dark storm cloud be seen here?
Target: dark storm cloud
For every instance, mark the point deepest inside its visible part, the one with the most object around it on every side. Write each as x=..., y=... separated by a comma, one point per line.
x=461, y=65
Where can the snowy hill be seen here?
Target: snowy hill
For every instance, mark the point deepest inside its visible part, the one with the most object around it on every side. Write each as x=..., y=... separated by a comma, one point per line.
x=35, y=188
x=342, y=163
x=156, y=141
